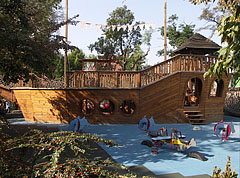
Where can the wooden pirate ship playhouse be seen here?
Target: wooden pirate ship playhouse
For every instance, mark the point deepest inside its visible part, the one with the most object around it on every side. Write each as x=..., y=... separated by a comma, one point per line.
x=173, y=91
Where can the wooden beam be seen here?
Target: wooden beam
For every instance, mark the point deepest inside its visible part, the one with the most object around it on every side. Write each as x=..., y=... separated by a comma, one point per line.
x=165, y=31
x=66, y=40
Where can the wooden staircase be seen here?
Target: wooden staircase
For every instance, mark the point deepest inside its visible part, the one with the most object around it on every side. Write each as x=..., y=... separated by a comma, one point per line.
x=194, y=116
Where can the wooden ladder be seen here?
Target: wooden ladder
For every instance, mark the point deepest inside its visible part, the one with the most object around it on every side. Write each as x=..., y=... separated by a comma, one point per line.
x=194, y=116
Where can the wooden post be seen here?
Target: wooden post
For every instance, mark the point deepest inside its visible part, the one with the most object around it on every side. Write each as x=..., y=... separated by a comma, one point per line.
x=165, y=31
x=66, y=40
x=184, y=63
x=116, y=80
x=180, y=63
x=74, y=79
x=139, y=79
x=83, y=65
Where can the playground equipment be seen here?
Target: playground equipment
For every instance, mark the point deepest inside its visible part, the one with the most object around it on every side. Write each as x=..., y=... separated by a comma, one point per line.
x=223, y=130
x=78, y=124
x=172, y=91
x=160, y=136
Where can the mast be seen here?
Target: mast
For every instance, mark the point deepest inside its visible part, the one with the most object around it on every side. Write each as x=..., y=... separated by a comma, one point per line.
x=165, y=31
x=66, y=40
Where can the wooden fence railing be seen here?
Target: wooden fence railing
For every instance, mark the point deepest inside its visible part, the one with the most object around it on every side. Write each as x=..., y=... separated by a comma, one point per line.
x=124, y=79
x=104, y=79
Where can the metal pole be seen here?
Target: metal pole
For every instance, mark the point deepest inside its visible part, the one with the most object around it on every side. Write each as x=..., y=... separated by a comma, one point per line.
x=165, y=31
x=66, y=40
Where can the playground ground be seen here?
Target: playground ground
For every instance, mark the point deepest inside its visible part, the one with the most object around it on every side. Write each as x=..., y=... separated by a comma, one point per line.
x=169, y=162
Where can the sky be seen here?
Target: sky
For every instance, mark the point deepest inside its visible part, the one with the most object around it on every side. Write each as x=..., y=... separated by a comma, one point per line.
x=148, y=11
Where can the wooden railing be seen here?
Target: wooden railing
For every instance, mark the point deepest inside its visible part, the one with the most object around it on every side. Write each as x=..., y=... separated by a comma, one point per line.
x=104, y=79
x=187, y=63
x=126, y=79
x=111, y=79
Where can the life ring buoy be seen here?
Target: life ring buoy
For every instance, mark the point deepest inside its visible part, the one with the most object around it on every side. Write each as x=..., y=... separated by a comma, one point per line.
x=222, y=132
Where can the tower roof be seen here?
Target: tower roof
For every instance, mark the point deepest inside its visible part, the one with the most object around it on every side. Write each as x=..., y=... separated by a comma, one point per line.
x=197, y=44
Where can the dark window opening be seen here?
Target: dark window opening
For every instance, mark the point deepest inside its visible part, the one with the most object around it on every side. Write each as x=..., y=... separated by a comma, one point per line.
x=193, y=92
x=87, y=106
x=106, y=107
x=216, y=88
x=128, y=107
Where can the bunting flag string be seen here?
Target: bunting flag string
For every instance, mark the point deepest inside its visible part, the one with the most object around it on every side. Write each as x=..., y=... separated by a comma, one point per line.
x=142, y=26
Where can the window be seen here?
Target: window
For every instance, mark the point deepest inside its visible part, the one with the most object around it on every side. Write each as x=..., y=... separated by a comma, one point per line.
x=216, y=89
x=106, y=107
x=128, y=107
x=87, y=106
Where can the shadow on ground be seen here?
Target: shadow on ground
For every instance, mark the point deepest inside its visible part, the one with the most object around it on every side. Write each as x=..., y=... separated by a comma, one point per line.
x=169, y=160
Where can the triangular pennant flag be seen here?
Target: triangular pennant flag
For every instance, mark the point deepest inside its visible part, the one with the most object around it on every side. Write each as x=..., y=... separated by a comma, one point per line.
x=103, y=27
x=130, y=27
x=153, y=25
x=88, y=25
x=147, y=26
x=82, y=24
x=141, y=26
x=114, y=27
x=124, y=27
x=118, y=28
x=98, y=27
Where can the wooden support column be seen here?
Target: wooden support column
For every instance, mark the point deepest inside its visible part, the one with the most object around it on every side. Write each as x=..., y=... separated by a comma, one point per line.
x=65, y=56
x=139, y=80
x=165, y=31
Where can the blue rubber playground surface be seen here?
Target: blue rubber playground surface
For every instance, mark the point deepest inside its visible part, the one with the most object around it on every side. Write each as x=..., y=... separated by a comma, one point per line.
x=167, y=161
x=131, y=152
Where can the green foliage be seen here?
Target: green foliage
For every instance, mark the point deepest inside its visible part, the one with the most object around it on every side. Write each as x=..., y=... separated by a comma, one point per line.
x=212, y=15
x=227, y=173
x=28, y=37
x=73, y=59
x=176, y=34
x=122, y=43
x=58, y=70
x=228, y=29
x=73, y=62
x=56, y=154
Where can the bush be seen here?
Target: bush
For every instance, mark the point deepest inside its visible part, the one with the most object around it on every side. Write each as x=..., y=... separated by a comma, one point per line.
x=227, y=173
x=55, y=154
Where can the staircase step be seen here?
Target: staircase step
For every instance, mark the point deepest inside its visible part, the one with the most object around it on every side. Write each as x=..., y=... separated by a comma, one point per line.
x=196, y=115
x=191, y=111
x=197, y=119
x=198, y=123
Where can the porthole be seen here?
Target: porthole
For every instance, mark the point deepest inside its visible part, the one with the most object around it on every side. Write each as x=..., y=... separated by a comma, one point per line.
x=128, y=107
x=87, y=106
x=106, y=107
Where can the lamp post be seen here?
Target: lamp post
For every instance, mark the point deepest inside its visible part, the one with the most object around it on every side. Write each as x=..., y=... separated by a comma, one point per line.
x=66, y=49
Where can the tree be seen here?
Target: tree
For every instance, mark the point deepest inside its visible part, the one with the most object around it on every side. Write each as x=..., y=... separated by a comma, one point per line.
x=229, y=30
x=28, y=39
x=212, y=16
x=73, y=62
x=137, y=60
x=176, y=34
x=123, y=44
x=73, y=59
